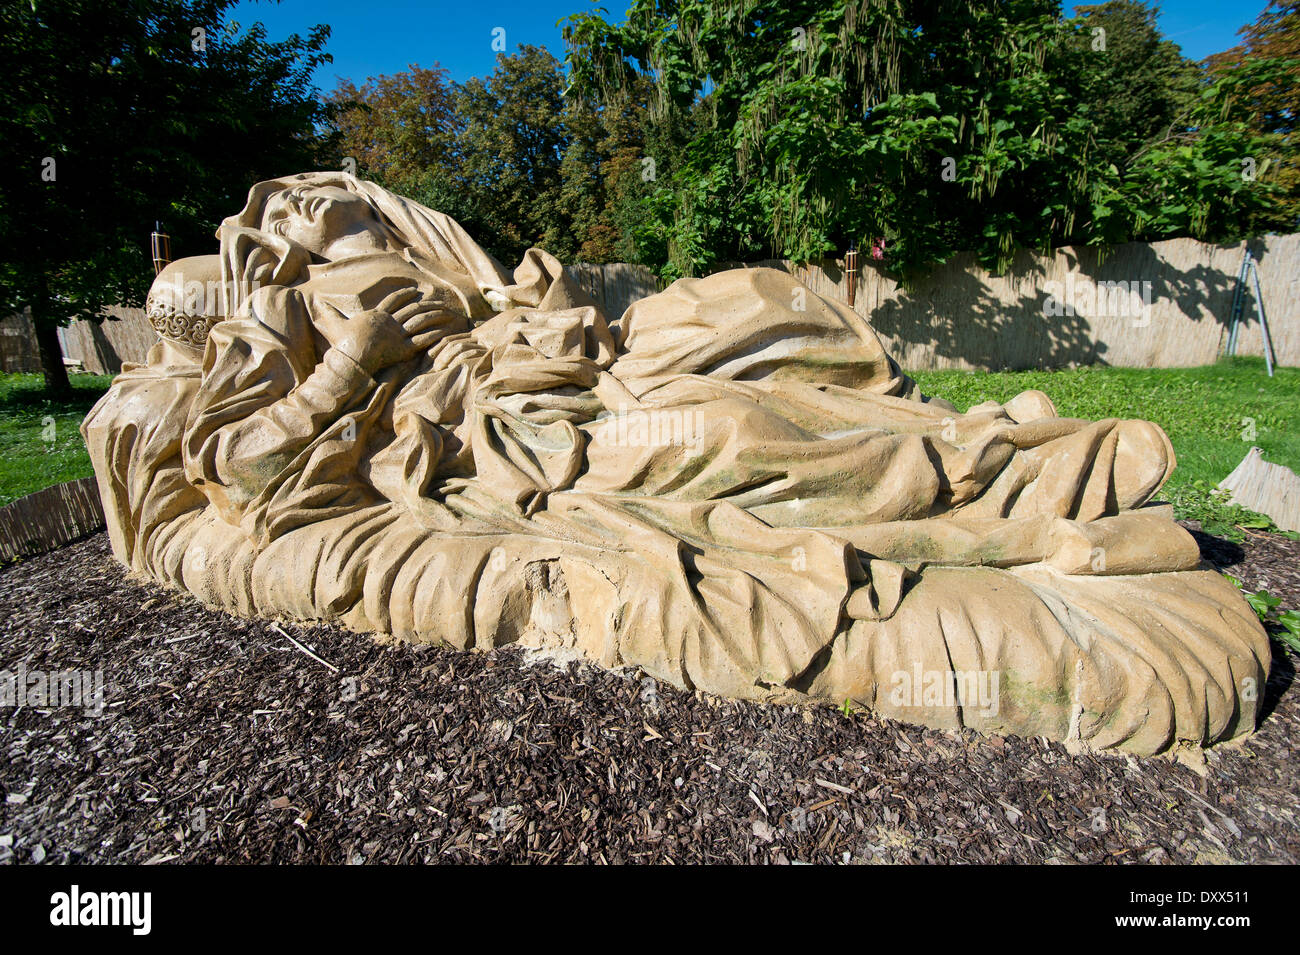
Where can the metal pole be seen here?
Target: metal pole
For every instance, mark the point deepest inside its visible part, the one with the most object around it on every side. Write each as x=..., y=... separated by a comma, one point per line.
x=1263, y=321
x=160, y=247
x=1237, y=294
x=851, y=271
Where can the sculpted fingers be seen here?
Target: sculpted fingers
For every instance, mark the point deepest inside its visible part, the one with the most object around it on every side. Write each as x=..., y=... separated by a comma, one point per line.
x=426, y=339
x=455, y=351
x=395, y=301
x=425, y=319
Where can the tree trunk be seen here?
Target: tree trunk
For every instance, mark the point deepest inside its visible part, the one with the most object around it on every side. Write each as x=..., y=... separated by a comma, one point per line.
x=47, y=340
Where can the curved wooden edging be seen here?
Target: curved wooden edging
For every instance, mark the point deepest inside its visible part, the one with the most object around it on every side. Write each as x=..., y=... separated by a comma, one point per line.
x=1271, y=489
x=49, y=518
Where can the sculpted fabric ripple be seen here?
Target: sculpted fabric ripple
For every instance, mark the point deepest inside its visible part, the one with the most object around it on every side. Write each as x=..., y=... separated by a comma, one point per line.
x=731, y=485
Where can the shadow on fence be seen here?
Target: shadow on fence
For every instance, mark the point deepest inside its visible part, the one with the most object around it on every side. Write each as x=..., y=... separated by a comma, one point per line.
x=1046, y=311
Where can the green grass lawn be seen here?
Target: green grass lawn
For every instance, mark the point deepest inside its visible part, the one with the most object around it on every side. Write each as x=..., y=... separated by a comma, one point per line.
x=39, y=441
x=1209, y=414
x=1213, y=415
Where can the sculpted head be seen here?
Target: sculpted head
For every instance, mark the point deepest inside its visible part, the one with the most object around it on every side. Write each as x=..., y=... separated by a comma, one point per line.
x=184, y=301
x=293, y=224
x=319, y=216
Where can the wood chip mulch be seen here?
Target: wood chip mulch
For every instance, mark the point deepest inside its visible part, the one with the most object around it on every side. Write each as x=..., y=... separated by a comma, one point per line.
x=223, y=742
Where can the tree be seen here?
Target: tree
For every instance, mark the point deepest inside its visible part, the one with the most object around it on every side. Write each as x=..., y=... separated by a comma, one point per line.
x=511, y=148
x=404, y=132
x=583, y=185
x=799, y=128
x=604, y=173
x=512, y=158
x=1141, y=86
x=399, y=128
x=1274, y=105
x=114, y=115
x=1271, y=106
x=1212, y=177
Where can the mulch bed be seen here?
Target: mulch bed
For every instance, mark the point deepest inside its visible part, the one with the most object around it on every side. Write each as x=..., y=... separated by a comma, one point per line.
x=222, y=742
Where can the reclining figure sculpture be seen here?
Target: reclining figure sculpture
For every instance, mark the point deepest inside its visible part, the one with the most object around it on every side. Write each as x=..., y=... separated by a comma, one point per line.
x=732, y=486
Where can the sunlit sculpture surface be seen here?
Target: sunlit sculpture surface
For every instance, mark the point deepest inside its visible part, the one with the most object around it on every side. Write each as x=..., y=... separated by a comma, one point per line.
x=356, y=415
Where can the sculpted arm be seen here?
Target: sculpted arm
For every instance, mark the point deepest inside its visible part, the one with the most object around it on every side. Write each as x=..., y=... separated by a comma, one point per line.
x=263, y=399
x=266, y=399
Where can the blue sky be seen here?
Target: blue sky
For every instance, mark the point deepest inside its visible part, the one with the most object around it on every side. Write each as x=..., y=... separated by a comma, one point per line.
x=386, y=36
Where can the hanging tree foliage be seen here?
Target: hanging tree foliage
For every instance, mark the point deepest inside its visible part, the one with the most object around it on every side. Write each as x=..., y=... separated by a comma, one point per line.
x=795, y=129
x=116, y=115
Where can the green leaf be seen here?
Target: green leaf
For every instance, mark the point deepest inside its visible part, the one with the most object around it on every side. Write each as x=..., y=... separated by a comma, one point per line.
x=1262, y=602
x=1290, y=636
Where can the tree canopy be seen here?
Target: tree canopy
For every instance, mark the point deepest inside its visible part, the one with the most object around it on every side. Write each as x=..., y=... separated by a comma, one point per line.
x=512, y=157
x=800, y=128
x=119, y=114
x=1268, y=63
x=690, y=134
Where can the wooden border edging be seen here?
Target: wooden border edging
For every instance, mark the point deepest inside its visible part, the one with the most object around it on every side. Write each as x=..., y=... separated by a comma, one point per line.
x=50, y=518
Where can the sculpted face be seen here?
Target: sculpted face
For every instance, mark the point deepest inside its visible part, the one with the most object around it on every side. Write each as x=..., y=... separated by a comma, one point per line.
x=316, y=216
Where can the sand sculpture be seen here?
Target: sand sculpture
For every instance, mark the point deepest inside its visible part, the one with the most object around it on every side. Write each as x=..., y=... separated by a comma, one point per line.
x=354, y=414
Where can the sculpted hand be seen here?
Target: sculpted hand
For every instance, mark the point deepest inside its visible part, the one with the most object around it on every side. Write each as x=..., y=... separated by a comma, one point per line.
x=401, y=325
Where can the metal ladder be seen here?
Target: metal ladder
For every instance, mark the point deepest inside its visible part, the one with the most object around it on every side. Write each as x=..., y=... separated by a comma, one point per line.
x=1248, y=264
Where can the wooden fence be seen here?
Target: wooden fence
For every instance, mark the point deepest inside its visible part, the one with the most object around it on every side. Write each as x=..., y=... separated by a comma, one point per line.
x=98, y=347
x=1172, y=310
x=961, y=316
x=44, y=520
x=18, y=344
